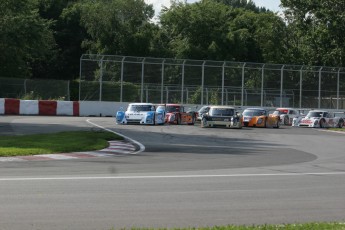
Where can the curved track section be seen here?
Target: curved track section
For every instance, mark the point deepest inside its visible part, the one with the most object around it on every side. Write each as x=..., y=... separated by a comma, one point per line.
x=187, y=176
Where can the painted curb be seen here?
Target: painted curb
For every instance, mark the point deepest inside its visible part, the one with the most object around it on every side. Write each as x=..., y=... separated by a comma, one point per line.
x=115, y=148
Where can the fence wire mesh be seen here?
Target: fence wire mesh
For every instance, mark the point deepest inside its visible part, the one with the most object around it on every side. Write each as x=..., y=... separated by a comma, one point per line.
x=34, y=89
x=143, y=79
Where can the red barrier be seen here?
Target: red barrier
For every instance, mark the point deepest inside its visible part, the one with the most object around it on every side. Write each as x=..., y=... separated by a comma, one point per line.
x=76, y=108
x=47, y=108
x=12, y=106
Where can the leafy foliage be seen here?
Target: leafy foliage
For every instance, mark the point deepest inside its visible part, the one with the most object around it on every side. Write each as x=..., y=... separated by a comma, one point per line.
x=25, y=37
x=45, y=38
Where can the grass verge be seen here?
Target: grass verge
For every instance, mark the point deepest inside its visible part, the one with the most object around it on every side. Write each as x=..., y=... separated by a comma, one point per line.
x=337, y=129
x=306, y=226
x=62, y=142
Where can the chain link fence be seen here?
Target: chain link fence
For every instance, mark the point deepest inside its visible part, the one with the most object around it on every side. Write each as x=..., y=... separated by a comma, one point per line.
x=140, y=79
x=34, y=89
x=143, y=79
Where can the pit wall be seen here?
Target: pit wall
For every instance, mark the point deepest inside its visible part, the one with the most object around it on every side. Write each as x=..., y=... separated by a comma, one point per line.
x=9, y=106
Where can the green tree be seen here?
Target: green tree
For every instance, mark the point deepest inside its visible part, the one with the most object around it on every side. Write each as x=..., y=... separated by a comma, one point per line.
x=119, y=27
x=318, y=27
x=197, y=31
x=244, y=4
x=211, y=30
x=259, y=37
x=24, y=37
x=68, y=34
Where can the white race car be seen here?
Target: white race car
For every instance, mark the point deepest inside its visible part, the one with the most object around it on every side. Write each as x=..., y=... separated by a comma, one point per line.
x=287, y=115
x=319, y=119
x=202, y=111
x=140, y=113
x=221, y=116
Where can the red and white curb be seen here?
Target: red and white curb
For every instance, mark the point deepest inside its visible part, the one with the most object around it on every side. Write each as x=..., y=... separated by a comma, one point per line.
x=116, y=148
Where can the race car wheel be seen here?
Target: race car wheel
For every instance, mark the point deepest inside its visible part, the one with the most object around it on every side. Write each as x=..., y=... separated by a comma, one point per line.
x=340, y=124
x=322, y=123
x=265, y=123
x=286, y=120
x=203, y=123
x=178, y=120
x=193, y=120
x=277, y=125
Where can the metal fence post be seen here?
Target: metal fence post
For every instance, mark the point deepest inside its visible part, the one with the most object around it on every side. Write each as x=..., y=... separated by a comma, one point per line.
x=281, y=85
x=167, y=95
x=187, y=95
x=202, y=82
x=101, y=80
x=147, y=93
x=162, y=82
x=319, y=102
x=80, y=67
x=242, y=93
x=25, y=91
x=338, y=76
x=142, y=80
x=226, y=97
x=223, y=76
x=300, y=86
x=68, y=91
x=262, y=85
x=121, y=82
x=182, y=85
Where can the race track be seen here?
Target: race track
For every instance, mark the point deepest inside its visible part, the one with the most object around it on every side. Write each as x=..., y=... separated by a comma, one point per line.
x=186, y=176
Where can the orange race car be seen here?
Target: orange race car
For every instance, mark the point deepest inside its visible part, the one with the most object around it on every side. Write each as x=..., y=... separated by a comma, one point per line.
x=176, y=114
x=259, y=117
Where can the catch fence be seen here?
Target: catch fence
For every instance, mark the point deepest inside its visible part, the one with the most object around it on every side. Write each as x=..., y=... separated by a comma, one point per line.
x=164, y=80
x=43, y=89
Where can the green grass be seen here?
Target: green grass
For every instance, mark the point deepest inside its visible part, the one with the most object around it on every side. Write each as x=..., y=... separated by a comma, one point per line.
x=63, y=142
x=337, y=129
x=307, y=226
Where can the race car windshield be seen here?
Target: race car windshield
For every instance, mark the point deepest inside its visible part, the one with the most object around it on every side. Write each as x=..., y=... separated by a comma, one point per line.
x=172, y=109
x=314, y=114
x=204, y=109
x=221, y=112
x=138, y=108
x=160, y=108
x=253, y=113
x=279, y=112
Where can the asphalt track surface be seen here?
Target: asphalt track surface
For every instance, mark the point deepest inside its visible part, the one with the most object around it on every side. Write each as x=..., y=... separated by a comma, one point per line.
x=185, y=176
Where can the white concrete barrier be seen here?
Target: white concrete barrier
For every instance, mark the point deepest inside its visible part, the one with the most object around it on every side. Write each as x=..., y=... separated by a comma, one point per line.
x=64, y=108
x=2, y=106
x=28, y=107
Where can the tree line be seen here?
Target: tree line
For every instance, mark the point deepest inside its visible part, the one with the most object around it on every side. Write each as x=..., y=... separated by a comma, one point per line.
x=45, y=38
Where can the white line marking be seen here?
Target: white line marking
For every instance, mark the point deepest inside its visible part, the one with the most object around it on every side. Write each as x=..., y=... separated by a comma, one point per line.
x=213, y=146
x=56, y=156
x=9, y=159
x=120, y=147
x=331, y=131
x=115, y=151
x=170, y=176
x=141, y=146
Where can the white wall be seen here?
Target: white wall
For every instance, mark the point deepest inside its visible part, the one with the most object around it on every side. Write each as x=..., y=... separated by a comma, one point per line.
x=100, y=109
x=2, y=106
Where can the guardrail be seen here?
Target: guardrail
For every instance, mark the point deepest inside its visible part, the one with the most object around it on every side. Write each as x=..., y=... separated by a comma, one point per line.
x=9, y=106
